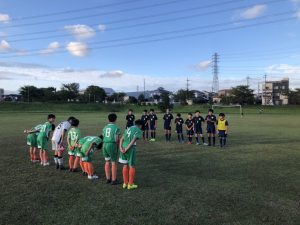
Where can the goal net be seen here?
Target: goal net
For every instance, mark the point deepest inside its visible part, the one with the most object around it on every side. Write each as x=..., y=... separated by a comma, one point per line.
x=224, y=107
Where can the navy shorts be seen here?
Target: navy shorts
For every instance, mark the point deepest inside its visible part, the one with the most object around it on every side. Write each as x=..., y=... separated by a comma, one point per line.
x=211, y=129
x=222, y=133
x=152, y=127
x=198, y=130
x=145, y=127
x=167, y=126
x=179, y=130
x=190, y=132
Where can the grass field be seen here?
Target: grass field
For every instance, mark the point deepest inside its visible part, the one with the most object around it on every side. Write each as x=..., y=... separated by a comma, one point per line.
x=256, y=180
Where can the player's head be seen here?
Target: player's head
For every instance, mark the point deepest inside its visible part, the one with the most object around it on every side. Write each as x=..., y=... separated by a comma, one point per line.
x=70, y=119
x=51, y=118
x=138, y=123
x=197, y=112
x=151, y=111
x=167, y=110
x=53, y=127
x=210, y=111
x=190, y=115
x=222, y=115
x=145, y=112
x=101, y=144
x=75, y=122
x=112, y=117
x=178, y=115
x=130, y=111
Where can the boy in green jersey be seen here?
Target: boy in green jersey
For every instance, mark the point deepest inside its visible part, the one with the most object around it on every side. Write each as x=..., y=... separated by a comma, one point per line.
x=111, y=137
x=87, y=146
x=128, y=153
x=43, y=137
x=32, y=142
x=72, y=138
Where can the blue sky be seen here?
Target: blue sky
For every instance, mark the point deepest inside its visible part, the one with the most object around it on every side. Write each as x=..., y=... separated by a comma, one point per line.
x=69, y=50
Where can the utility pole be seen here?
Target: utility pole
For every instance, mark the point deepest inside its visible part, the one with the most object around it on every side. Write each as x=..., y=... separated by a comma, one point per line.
x=144, y=87
x=215, y=71
x=28, y=94
x=248, y=81
x=137, y=88
x=187, y=88
x=265, y=89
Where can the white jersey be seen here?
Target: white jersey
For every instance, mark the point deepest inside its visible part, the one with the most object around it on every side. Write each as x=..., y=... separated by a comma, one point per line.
x=63, y=126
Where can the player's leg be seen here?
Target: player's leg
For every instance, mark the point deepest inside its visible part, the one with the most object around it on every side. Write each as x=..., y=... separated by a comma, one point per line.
x=170, y=133
x=76, y=163
x=197, y=136
x=214, y=135
x=147, y=133
x=107, y=158
x=41, y=156
x=71, y=162
x=131, y=163
x=114, y=167
x=60, y=159
x=125, y=171
x=55, y=157
x=45, y=157
x=166, y=135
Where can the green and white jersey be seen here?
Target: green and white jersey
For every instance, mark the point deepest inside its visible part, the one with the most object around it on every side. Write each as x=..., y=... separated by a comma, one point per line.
x=37, y=128
x=87, y=141
x=45, y=129
x=131, y=133
x=110, y=133
x=74, y=135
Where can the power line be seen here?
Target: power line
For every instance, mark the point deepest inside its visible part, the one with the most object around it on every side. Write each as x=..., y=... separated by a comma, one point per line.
x=172, y=37
x=215, y=70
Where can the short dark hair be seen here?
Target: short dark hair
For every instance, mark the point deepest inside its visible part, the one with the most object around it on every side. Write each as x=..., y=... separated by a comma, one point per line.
x=53, y=127
x=151, y=110
x=51, y=116
x=211, y=110
x=190, y=114
x=222, y=114
x=145, y=110
x=75, y=122
x=112, y=117
x=138, y=122
x=197, y=111
x=130, y=110
x=178, y=114
x=71, y=118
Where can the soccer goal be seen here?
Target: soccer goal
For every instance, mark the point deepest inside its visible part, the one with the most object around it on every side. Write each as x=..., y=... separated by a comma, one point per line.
x=229, y=106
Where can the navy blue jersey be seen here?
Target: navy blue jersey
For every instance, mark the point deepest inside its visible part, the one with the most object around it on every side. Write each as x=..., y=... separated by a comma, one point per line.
x=145, y=119
x=198, y=121
x=211, y=119
x=130, y=120
x=152, y=119
x=179, y=122
x=168, y=118
x=189, y=123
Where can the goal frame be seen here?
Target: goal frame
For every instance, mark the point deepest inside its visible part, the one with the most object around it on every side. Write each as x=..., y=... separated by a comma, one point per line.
x=229, y=106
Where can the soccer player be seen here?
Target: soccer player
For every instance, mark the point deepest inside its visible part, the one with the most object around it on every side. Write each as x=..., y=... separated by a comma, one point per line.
x=198, y=120
x=87, y=146
x=57, y=141
x=145, y=126
x=130, y=118
x=72, y=139
x=179, y=122
x=111, y=136
x=128, y=154
x=152, y=124
x=43, y=137
x=167, y=124
x=189, y=124
x=32, y=142
x=211, y=128
x=222, y=124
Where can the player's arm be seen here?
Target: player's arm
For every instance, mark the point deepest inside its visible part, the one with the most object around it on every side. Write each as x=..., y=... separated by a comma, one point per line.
x=68, y=142
x=89, y=149
x=62, y=136
x=226, y=131
x=120, y=144
x=31, y=131
x=130, y=145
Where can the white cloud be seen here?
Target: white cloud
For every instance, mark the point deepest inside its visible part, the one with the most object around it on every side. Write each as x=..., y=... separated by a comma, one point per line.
x=251, y=12
x=296, y=1
x=4, y=18
x=4, y=46
x=203, y=65
x=81, y=31
x=298, y=15
x=102, y=27
x=52, y=47
x=3, y=34
x=78, y=49
x=112, y=74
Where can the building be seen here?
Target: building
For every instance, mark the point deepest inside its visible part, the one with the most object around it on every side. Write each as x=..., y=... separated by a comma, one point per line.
x=275, y=92
x=224, y=93
x=1, y=94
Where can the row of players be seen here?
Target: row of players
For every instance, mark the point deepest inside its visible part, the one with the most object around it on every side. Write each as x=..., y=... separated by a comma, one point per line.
x=193, y=126
x=80, y=149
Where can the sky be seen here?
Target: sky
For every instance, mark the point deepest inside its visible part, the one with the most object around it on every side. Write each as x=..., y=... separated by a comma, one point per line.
x=121, y=43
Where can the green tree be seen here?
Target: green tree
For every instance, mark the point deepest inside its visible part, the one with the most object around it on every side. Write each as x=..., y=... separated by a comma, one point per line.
x=68, y=92
x=141, y=98
x=118, y=97
x=165, y=102
x=94, y=93
x=30, y=93
x=294, y=97
x=183, y=95
x=242, y=95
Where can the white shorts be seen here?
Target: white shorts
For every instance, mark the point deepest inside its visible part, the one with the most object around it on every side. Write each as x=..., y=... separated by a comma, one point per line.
x=55, y=146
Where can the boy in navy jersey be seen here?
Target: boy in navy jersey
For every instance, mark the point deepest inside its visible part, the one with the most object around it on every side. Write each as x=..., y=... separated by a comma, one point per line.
x=152, y=124
x=167, y=124
x=130, y=118
x=179, y=122
x=189, y=124
x=198, y=120
x=145, y=124
x=211, y=127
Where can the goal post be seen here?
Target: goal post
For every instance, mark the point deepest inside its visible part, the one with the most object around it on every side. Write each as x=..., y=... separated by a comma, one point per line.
x=230, y=106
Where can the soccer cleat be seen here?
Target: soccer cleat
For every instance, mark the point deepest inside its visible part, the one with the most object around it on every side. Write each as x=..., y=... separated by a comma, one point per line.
x=57, y=166
x=70, y=170
x=205, y=144
x=46, y=164
x=75, y=170
x=124, y=186
x=133, y=186
x=61, y=167
x=95, y=176
x=115, y=182
x=197, y=143
x=189, y=143
x=41, y=163
x=108, y=181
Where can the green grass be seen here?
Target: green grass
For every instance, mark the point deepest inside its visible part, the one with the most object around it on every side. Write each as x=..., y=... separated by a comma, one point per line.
x=255, y=180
